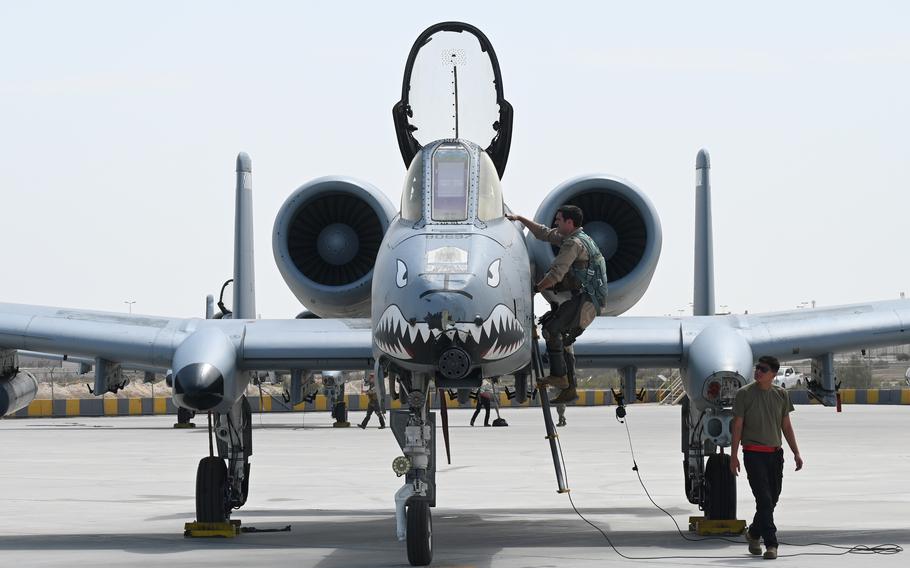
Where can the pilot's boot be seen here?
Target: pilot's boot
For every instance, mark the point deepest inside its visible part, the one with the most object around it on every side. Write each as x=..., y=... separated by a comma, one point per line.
x=560, y=382
x=558, y=376
x=567, y=395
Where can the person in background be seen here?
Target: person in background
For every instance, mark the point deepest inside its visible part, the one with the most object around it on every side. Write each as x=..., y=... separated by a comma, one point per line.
x=369, y=385
x=484, y=398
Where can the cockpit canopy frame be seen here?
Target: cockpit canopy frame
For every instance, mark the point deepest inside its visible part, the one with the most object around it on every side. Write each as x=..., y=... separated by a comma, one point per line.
x=498, y=149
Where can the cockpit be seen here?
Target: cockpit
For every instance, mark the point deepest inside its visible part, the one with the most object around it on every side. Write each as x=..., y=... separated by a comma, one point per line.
x=451, y=182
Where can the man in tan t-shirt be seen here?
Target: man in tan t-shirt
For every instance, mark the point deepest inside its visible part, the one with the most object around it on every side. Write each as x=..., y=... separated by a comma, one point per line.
x=762, y=413
x=567, y=321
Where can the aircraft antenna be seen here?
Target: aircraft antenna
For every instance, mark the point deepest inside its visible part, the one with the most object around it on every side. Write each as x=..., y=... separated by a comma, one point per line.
x=454, y=57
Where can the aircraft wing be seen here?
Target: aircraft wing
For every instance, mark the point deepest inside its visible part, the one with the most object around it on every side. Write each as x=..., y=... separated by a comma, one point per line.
x=614, y=342
x=610, y=342
x=152, y=341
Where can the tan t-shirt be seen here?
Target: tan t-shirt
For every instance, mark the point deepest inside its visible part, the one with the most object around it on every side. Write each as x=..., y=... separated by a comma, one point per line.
x=572, y=253
x=763, y=413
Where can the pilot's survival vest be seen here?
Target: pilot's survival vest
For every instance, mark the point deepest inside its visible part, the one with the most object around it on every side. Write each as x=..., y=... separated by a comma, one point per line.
x=593, y=278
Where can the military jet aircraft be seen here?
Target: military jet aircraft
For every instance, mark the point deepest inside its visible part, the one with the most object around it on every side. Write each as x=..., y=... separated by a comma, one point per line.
x=436, y=293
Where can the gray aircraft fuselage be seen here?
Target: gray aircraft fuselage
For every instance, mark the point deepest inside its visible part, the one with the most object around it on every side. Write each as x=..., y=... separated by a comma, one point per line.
x=451, y=290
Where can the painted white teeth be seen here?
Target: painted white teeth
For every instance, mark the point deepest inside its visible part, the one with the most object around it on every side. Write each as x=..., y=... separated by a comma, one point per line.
x=486, y=326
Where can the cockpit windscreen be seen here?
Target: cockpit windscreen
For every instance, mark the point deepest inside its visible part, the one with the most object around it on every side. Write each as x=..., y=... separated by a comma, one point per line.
x=451, y=181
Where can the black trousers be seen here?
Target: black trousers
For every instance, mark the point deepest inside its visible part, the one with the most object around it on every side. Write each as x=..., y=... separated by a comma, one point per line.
x=766, y=475
x=562, y=323
x=485, y=403
x=373, y=408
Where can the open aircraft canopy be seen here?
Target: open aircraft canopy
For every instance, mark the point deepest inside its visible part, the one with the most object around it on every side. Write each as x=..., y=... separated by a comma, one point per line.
x=452, y=88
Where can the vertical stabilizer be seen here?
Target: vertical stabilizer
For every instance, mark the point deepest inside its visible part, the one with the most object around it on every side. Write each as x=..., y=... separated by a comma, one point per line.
x=244, y=273
x=703, y=301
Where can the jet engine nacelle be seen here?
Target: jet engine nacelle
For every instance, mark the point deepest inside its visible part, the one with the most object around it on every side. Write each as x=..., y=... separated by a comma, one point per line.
x=623, y=223
x=718, y=362
x=16, y=392
x=205, y=373
x=325, y=241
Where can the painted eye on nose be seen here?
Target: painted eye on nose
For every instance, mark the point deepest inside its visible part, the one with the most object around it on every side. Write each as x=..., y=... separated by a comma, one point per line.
x=493, y=273
x=401, y=278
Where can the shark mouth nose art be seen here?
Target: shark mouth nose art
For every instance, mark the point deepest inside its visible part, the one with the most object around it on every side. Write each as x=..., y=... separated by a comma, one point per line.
x=499, y=336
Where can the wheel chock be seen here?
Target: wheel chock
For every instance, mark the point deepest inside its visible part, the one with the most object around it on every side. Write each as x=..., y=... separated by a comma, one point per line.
x=184, y=425
x=228, y=529
x=341, y=424
x=706, y=527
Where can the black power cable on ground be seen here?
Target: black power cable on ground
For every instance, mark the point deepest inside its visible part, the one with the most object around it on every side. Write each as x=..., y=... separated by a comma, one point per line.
x=857, y=549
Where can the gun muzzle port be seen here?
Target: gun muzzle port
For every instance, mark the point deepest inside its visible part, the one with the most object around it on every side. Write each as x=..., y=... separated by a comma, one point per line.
x=454, y=363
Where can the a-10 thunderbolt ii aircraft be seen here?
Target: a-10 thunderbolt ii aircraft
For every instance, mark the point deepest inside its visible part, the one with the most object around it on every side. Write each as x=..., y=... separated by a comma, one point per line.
x=438, y=295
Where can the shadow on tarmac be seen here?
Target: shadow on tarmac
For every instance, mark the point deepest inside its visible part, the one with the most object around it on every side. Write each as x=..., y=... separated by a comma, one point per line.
x=367, y=538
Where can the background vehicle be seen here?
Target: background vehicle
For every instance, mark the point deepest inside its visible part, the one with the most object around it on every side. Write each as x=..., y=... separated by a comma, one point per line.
x=788, y=377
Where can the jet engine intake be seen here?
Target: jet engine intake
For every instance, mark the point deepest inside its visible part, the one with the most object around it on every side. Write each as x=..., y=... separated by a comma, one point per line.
x=623, y=223
x=325, y=241
x=17, y=392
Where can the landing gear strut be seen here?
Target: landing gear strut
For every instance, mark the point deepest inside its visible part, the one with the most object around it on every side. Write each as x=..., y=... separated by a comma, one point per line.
x=223, y=481
x=414, y=431
x=711, y=486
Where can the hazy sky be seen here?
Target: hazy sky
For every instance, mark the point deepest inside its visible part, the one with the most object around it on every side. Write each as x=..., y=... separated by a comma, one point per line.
x=120, y=123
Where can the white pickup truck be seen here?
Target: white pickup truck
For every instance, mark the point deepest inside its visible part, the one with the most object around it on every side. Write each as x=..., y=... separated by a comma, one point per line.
x=788, y=377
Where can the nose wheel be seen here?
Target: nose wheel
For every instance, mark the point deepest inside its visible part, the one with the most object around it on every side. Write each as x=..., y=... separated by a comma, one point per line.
x=420, y=533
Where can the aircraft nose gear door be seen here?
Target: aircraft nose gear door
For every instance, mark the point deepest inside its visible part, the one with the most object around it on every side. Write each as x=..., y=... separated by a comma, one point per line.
x=452, y=88
x=415, y=432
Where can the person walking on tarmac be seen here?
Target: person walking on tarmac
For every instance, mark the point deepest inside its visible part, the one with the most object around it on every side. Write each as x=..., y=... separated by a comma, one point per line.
x=561, y=411
x=762, y=411
x=369, y=384
x=484, y=398
x=579, y=268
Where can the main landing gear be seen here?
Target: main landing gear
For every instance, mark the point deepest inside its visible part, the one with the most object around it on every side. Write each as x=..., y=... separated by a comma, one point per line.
x=711, y=486
x=223, y=481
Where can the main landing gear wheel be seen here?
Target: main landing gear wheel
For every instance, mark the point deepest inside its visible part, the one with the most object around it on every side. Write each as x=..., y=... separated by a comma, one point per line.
x=420, y=533
x=720, y=488
x=211, y=479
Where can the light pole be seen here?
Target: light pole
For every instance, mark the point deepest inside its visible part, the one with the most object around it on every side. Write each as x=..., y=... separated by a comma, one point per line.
x=130, y=304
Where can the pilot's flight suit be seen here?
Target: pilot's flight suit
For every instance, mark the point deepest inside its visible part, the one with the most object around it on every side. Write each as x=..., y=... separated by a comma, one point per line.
x=567, y=321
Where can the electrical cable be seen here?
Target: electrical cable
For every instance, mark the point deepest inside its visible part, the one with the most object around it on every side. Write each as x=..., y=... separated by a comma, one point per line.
x=856, y=549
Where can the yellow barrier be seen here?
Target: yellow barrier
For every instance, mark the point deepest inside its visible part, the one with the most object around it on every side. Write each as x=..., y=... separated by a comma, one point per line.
x=110, y=406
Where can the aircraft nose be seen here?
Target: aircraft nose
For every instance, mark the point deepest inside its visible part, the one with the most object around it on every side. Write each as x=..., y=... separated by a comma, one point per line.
x=199, y=386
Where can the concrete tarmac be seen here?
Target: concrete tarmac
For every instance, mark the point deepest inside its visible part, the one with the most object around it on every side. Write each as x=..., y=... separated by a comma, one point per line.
x=99, y=492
